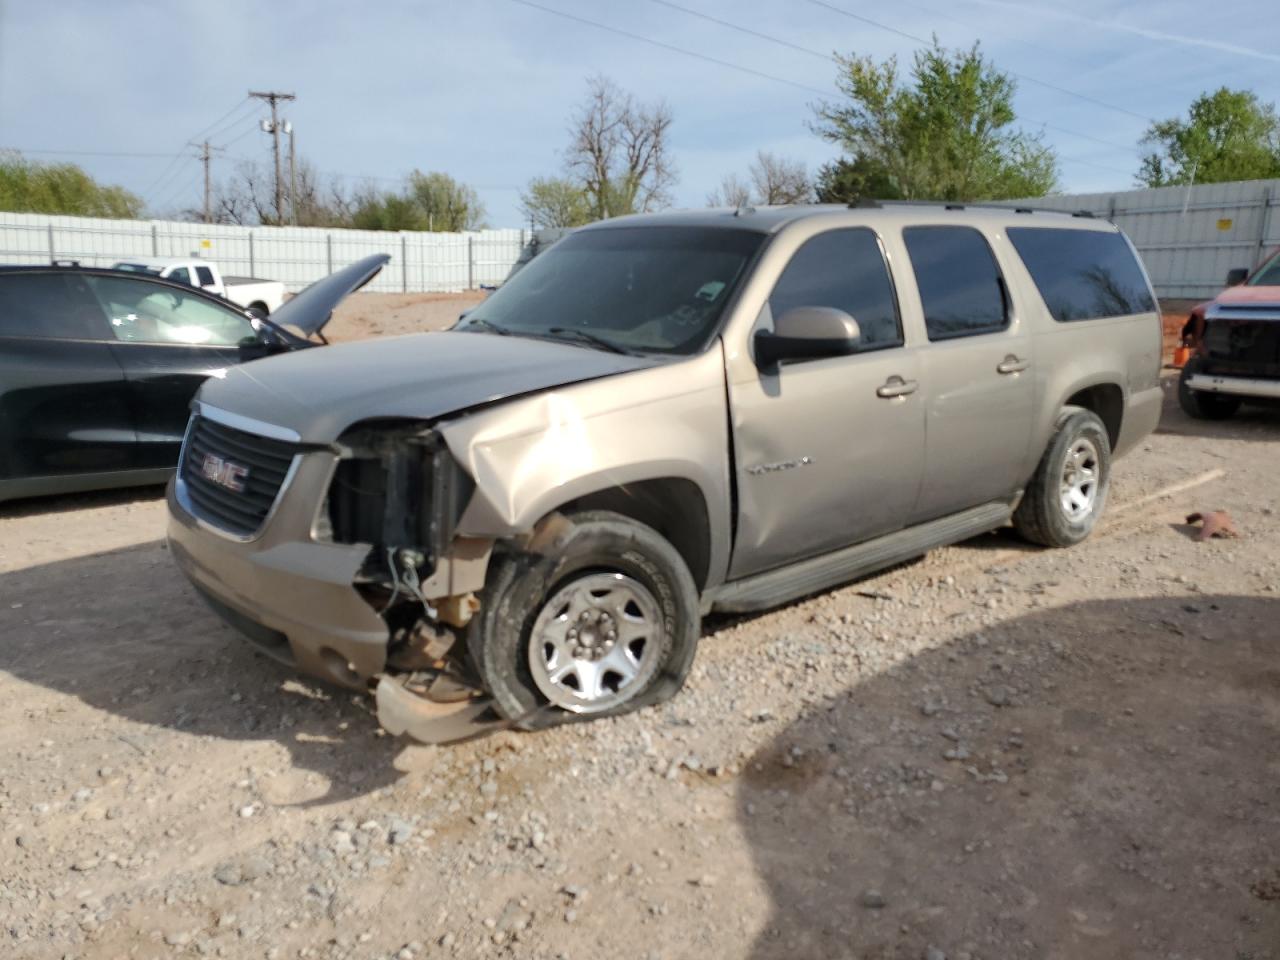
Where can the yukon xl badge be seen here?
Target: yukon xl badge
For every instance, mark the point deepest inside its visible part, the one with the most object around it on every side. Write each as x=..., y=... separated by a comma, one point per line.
x=224, y=473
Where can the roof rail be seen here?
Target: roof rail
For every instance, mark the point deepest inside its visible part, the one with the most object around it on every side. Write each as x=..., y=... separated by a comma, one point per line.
x=867, y=202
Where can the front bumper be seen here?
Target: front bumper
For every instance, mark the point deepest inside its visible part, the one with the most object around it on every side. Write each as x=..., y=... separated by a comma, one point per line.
x=1235, y=386
x=291, y=596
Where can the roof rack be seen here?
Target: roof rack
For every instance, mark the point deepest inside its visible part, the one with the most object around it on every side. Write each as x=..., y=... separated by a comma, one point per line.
x=866, y=202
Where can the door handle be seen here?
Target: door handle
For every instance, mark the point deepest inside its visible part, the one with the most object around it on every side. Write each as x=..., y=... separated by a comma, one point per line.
x=897, y=387
x=1012, y=364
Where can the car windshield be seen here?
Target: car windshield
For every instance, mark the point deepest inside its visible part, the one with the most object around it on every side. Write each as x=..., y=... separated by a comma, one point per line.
x=1268, y=275
x=641, y=289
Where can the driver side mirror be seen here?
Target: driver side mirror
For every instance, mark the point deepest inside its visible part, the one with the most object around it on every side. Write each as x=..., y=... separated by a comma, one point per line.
x=806, y=333
x=1237, y=276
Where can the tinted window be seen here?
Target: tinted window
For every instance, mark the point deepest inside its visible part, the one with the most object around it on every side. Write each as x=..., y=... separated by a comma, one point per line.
x=659, y=289
x=53, y=305
x=1083, y=274
x=179, y=275
x=205, y=276
x=144, y=312
x=843, y=269
x=960, y=284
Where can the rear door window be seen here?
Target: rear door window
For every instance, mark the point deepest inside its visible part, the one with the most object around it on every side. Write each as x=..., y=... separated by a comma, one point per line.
x=180, y=275
x=960, y=285
x=54, y=305
x=844, y=269
x=1083, y=274
x=205, y=276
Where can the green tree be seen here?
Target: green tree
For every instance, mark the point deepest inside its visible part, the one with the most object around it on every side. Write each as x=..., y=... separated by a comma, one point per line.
x=1227, y=135
x=555, y=202
x=948, y=134
x=62, y=188
x=388, y=211
x=445, y=203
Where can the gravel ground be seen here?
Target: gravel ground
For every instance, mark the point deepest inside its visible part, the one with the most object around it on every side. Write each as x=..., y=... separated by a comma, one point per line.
x=995, y=752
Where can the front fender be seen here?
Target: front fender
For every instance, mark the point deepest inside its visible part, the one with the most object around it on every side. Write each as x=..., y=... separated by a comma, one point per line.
x=532, y=455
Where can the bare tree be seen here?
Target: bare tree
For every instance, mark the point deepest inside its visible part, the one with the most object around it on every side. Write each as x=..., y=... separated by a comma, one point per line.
x=773, y=180
x=619, y=151
x=732, y=192
x=779, y=180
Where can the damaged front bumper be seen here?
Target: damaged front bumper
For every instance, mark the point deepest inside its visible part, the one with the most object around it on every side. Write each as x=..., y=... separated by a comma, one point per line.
x=313, y=603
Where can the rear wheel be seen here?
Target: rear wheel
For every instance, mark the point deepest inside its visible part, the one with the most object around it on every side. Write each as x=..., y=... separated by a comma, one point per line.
x=1068, y=492
x=1198, y=403
x=603, y=622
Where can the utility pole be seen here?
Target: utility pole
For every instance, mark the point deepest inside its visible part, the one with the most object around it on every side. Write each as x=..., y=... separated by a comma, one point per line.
x=273, y=127
x=206, y=155
x=293, y=176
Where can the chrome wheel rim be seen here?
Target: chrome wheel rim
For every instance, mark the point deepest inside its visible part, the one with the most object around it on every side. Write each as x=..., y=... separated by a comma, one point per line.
x=1078, y=491
x=596, y=643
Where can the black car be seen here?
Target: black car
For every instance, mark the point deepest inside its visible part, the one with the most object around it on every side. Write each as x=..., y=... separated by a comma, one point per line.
x=98, y=367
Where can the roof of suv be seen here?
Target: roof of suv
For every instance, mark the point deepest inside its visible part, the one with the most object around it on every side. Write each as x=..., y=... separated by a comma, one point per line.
x=770, y=219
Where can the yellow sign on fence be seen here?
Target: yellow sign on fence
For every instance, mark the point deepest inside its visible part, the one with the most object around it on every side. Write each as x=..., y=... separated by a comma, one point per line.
x=1225, y=224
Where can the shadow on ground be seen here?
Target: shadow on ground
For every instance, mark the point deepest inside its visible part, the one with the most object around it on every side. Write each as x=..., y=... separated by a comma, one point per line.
x=1120, y=803
x=125, y=633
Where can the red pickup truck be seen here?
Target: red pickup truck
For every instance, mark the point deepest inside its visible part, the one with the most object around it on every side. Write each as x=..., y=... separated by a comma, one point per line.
x=1236, y=342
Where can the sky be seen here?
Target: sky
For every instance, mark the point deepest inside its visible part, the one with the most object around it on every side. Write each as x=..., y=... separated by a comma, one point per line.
x=484, y=89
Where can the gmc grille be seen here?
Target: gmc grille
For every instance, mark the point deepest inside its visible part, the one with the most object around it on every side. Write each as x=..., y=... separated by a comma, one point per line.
x=232, y=477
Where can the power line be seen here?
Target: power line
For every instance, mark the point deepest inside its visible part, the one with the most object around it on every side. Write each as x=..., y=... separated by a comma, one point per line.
x=209, y=129
x=87, y=153
x=671, y=47
x=834, y=59
x=1021, y=76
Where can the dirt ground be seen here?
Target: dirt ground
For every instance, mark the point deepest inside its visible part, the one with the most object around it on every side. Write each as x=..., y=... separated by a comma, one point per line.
x=996, y=752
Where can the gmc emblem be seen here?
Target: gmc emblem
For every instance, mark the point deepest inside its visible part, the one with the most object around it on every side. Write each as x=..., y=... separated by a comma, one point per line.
x=224, y=473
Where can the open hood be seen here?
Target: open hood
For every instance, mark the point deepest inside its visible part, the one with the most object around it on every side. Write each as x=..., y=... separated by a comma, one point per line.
x=311, y=309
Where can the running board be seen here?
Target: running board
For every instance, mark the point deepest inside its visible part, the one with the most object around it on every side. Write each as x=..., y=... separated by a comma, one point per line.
x=775, y=587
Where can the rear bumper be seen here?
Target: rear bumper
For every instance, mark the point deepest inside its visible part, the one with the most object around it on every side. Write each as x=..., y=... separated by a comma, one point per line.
x=290, y=596
x=1235, y=386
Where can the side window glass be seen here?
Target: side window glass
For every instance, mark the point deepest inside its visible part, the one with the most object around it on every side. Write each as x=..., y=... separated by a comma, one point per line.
x=960, y=285
x=844, y=269
x=54, y=305
x=205, y=276
x=1083, y=274
x=143, y=312
x=180, y=275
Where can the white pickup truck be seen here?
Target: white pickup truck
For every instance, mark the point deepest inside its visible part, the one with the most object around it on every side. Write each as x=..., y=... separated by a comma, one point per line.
x=262, y=297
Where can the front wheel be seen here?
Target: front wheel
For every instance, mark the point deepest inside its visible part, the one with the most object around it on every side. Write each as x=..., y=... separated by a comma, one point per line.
x=1068, y=492
x=1198, y=403
x=604, y=621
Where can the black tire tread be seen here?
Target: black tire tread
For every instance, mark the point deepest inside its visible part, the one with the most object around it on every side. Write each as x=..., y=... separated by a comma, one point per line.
x=1034, y=517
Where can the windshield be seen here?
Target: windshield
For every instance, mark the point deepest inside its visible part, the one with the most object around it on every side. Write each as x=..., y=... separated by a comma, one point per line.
x=1268, y=275
x=643, y=289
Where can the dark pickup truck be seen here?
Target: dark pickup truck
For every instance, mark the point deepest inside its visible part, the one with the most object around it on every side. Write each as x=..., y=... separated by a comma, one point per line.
x=1236, y=338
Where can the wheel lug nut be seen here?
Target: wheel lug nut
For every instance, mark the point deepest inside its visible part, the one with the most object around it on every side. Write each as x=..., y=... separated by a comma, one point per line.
x=585, y=616
x=611, y=636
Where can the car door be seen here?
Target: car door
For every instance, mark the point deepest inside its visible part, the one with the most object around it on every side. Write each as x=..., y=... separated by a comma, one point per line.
x=169, y=340
x=64, y=410
x=975, y=374
x=829, y=451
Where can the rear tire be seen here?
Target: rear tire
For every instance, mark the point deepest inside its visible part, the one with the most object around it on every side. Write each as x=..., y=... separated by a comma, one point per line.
x=1201, y=405
x=1068, y=491
x=636, y=600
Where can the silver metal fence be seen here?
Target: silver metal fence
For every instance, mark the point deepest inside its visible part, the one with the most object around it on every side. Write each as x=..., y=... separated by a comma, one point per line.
x=420, y=262
x=1189, y=237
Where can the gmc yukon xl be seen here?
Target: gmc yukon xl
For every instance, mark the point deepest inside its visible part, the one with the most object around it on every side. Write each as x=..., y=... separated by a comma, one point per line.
x=662, y=416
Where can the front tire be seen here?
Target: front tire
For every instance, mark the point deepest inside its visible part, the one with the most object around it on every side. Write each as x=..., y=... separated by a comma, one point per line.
x=1068, y=492
x=1201, y=405
x=604, y=621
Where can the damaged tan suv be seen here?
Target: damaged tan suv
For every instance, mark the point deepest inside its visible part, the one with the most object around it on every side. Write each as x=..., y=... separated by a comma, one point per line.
x=658, y=417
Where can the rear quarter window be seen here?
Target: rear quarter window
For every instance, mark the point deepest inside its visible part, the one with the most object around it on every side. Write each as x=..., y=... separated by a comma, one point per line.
x=1083, y=274
x=53, y=305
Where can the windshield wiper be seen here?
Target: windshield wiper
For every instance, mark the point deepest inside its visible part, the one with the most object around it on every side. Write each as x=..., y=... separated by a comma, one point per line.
x=591, y=338
x=487, y=325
